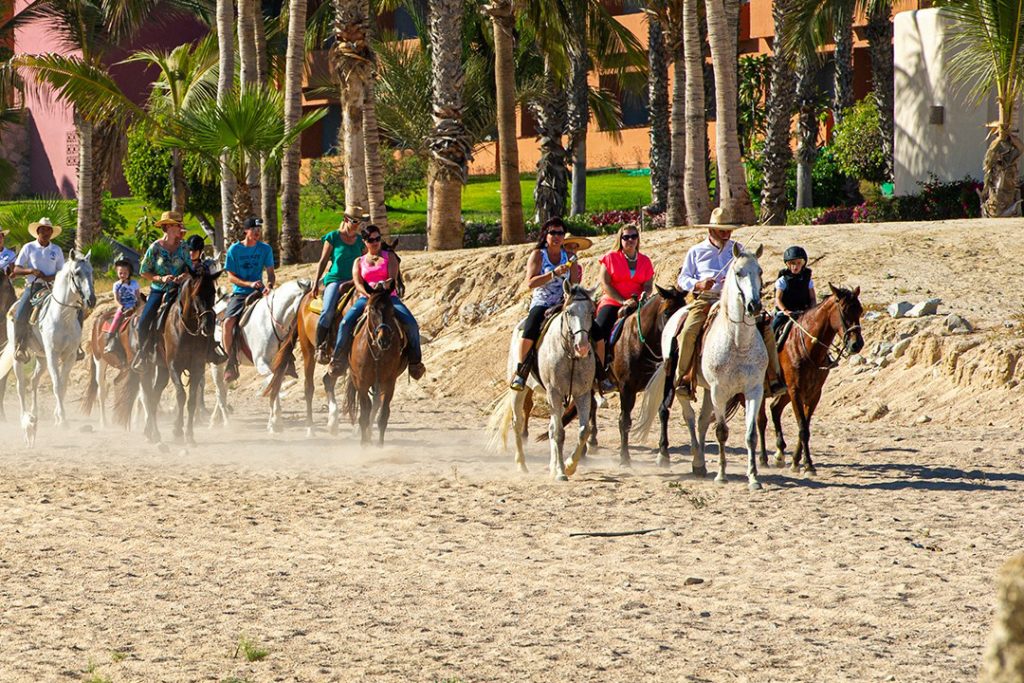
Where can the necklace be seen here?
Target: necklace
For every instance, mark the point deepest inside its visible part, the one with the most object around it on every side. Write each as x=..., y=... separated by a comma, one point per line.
x=633, y=259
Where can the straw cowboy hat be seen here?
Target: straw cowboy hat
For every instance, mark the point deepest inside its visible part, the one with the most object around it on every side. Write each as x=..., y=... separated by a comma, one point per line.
x=582, y=243
x=33, y=228
x=723, y=220
x=357, y=214
x=169, y=218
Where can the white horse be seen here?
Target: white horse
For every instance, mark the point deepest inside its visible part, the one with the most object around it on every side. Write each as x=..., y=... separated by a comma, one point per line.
x=565, y=364
x=733, y=363
x=53, y=339
x=266, y=329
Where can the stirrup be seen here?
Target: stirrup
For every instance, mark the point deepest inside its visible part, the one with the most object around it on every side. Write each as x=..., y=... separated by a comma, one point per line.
x=684, y=390
x=606, y=386
x=518, y=383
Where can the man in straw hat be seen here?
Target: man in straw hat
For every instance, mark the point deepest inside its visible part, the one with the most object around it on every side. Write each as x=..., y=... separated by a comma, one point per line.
x=703, y=274
x=38, y=262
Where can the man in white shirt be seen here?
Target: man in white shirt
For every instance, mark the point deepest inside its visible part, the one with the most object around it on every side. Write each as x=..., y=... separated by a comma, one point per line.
x=38, y=262
x=703, y=274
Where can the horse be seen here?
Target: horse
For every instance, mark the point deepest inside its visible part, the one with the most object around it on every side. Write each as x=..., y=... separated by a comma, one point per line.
x=264, y=331
x=54, y=337
x=183, y=347
x=636, y=357
x=565, y=366
x=805, y=365
x=100, y=359
x=8, y=297
x=376, y=360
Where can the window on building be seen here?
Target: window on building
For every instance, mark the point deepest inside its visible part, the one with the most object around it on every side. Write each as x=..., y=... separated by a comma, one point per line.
x=635, y=106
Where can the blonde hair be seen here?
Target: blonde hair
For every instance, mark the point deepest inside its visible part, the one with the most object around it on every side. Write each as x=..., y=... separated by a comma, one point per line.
x=629, y=226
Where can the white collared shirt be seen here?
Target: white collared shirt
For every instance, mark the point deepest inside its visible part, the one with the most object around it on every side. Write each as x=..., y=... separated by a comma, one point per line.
x=705, y=260
x=48, y=260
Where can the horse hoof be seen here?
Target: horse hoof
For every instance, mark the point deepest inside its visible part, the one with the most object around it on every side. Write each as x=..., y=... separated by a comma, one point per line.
x=755, y=486
x=810, y=472
x=720, y=479
x=570, y=469
x=561, y=477
x=700, y=471
x=309, y=432
x=625, y=463
x=780, y=462
x=763, y=461
x=664, y=462
x=522, y=468
x=795, y=468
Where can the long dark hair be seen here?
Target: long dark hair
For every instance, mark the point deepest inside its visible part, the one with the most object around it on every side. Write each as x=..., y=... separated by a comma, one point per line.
x=556, y=222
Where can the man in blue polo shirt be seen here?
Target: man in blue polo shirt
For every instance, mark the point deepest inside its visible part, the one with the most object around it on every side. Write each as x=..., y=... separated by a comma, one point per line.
x=245, y=263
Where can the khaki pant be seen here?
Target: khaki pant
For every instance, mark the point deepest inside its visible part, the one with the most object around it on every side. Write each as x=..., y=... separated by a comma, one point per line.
x=694, y=325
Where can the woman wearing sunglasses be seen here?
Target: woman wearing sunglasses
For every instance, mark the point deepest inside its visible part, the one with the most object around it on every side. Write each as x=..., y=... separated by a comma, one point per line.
x=627, y=278
x=376, y=265
x=546, y=270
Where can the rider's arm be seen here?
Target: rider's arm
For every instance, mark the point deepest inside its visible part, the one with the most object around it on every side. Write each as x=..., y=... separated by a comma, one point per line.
x=235, y=280
x=535, y=278
x=778, y=300
x=608, y=287
x=357, y=279
x=814, y=295
x=325, y=258
x=688, y=275
x=271, y=277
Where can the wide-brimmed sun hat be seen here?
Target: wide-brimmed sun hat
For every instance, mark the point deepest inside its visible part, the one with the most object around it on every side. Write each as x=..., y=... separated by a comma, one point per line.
x=170, y=218
x=357, y=214
x=33, y=228
x=581, y=242
x=722, y=220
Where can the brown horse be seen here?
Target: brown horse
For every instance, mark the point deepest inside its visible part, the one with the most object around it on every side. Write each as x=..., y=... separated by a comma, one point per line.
x=99, y=359
x=376, y=360
x=636, y=357
x=8, y=297
x=805, y=365
x=183, y=347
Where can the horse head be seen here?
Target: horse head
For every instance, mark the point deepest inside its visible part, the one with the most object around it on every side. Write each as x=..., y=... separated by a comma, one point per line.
x=380, y=315
x=846, y=317
x=198, y=295
x=672, y=300
x=744, y=276
x=578, y=309
x=79, y=270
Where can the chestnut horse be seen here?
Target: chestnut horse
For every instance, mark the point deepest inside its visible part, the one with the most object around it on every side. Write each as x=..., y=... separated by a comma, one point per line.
x=805, y=365
x=636, y=356
x=99, y=359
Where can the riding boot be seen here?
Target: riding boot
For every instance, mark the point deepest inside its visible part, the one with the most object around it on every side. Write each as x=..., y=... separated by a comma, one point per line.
x=339, y=363
x=323, y=354
x=522, y=372
x=111, y=346
x=231, y=372
x=604, y=383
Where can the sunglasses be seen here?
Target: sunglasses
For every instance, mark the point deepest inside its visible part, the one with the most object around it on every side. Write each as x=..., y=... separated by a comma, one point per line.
x=371, y=240
x=556, y=233
x=630, y=237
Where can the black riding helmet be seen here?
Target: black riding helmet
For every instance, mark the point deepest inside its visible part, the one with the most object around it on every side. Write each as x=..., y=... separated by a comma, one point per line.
x=793, y=253
x=196, y=243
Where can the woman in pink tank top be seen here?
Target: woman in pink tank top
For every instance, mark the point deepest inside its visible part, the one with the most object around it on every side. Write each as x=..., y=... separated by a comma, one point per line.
x=375, y=266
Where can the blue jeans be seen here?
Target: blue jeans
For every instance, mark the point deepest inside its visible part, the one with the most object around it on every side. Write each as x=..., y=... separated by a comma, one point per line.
x=332, y=293
x=348, y=326
x=24, y=311
x=147, y=318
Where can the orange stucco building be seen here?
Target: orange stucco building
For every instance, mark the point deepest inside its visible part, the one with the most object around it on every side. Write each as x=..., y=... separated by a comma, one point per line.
x=630, y=147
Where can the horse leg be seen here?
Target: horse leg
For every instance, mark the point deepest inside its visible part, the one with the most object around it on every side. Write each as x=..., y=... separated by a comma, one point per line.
x=37, y=375
x=220, y=408
x=556, y=435
x=585, y=408
x=592, y=440
x=57, y=378
x=780, y=441
x=3, y=396
x=195, y=393
x=384, y=412
x=519, y=418
x=179, y=392
x=627, y=400
x=527, y=409
x=332, y=404
x=804, y=431
x=752, y=414
x=99, y=368
x=664, y=411
x=365, y=406
x=719, y=401
x=22, y=385
x=309, y=365
x=805, y=436
x=275, y=425
x=762, y=426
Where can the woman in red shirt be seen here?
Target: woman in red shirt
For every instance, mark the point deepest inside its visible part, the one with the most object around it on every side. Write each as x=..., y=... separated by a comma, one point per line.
x=627, y=277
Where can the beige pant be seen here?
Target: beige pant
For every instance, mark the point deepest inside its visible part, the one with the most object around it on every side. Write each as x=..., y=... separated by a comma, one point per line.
x=688, y=336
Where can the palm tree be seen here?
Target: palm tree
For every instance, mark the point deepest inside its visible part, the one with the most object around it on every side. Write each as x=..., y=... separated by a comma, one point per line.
x=807, y=147
x=88, y=31
x=879, y=35
x=355, y=66
x=723, y=18
x=549, y=111
x=990, y=38
x=778, y=151
x=249, y=125
x=698, y=201
x=501, y=13
x=450, y=148
x=225, y=85
x=291, y=236
x=662, y=161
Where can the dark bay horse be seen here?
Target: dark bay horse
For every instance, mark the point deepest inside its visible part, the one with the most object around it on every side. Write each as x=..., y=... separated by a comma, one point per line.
x=183, y=348
x=636, y=357
x=8, y=297
x=376, y=361
x=805, y=365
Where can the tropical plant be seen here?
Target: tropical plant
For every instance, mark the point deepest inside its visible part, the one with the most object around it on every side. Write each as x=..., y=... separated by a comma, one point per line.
x=857, y=143
x=990, y=38
x=147, y=166
x=225, y=17
x=754, y=74
x=659, y=43
x=16, y=216
x=698, y=200
x=248, y=126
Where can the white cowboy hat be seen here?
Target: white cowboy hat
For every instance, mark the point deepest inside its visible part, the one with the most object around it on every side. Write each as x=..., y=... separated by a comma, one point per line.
x=33, y=228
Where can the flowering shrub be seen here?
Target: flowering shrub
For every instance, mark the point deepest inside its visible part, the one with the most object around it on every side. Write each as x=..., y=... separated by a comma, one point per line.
x=836, y=214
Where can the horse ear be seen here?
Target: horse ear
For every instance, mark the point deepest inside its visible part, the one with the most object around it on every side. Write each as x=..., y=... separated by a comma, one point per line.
x=592, y=293
x=566, y=286
x=834, y=290
x=71, y=254
x=736, y=251
x=387, y=285
x=88, y=255
x=760, y=250
x=856, y=292
x=665, y=293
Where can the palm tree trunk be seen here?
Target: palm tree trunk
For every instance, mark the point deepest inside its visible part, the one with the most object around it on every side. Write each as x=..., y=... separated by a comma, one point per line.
x=733, y=199
x=88, y=214
x=374, y=167
x=807, y=151
x=663, y=144
x=552, y=174
x=356, y=197
x=225, y=82
x=291, y=237
x=676, y=208
x=241, y=208
x=270, y=176
x=354, y=64
x=842, y=98
x=449, y=145
x=879, y=34
x=1000, y=194
x=179, y=188
x=249, y=78
x=695, y=179
x=578, y=109
x=778, y=151
x=503, y=24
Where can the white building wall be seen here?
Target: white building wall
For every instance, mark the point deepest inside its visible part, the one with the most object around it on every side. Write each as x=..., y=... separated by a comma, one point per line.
x=949, y=150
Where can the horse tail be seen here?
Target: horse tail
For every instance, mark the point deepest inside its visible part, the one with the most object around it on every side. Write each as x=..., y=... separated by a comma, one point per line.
x=568, y=415
x=653, y=395
x=733, y=405
x=126, y=390
x=501, y=421
x=90, y=392
x=279, y=366
x=7, y=358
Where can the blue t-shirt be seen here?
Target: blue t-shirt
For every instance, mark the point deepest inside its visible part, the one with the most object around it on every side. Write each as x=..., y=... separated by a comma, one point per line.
x=247, y=263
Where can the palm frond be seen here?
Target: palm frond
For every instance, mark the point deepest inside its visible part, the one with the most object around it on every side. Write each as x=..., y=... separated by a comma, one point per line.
x=86, y=86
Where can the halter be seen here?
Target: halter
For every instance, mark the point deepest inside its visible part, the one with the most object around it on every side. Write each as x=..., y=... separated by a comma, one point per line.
x=833, y=348
x=80, y=304
x=743, y=300
x=568, y=341
x=640, y=329
x=277, y=329
x=377, y=348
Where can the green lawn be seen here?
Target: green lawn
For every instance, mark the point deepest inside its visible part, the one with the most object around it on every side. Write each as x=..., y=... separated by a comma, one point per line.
x=481, y=202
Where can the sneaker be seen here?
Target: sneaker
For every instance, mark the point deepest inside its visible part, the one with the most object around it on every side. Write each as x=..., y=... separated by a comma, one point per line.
x=337, y=367
x=777, y=388
x=606, y=386
x=217, y=355
x=684, y=391
x=416, y=370
x=111, y=346
x=518, y=383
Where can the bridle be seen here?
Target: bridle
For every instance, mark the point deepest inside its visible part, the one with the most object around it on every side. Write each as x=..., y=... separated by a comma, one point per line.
x=743, y=301
x=200, y=329
x=836, y=349
x=569, y=336
x=82, y=299
x=380, y=336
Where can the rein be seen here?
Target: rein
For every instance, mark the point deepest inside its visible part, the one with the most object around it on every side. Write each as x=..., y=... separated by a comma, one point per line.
x=839, y=349
x=200, y=315
x=640, y=330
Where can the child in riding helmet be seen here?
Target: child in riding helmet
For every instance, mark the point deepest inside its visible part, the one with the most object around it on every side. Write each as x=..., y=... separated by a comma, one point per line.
x=126, y=294
x=794, y=290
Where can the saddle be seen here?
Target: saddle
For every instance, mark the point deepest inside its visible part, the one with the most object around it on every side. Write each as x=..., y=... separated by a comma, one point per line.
x=782, y=334
x=317, y=305
x=126, y=320
x=249, y=307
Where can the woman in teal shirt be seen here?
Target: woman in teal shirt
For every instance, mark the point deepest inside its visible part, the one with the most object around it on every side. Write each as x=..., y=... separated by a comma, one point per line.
x=341, y=249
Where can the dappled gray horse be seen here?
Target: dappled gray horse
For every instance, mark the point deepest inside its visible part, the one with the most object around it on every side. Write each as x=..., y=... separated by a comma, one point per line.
x=565, y=366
